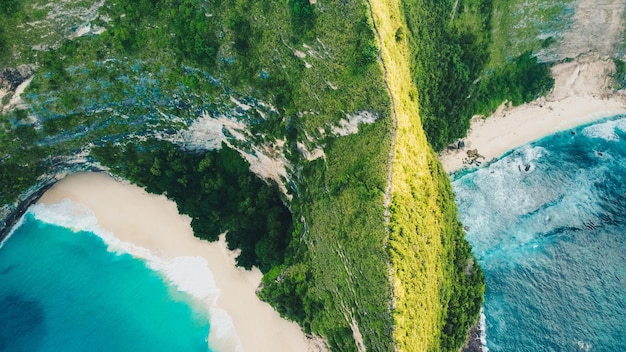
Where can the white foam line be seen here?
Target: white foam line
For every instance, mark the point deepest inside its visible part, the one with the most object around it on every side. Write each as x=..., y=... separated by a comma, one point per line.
x=13, y=229
x=188, y=274
x=483, y=330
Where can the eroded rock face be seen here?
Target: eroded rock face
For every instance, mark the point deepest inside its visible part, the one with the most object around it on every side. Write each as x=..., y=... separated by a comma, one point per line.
x=11, y=213
x=11, y=78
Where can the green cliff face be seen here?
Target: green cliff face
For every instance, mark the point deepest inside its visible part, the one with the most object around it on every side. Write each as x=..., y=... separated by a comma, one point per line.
x=355, y=226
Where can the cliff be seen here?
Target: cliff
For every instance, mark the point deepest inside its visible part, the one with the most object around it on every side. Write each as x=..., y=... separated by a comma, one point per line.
x=321, y=100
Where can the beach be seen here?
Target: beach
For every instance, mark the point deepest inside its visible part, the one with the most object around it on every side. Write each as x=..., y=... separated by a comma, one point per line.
x=153, y=222
x=582, y=94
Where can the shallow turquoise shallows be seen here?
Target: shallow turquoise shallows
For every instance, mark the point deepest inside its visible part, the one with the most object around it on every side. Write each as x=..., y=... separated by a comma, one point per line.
x=548, y=225
x=62, y=290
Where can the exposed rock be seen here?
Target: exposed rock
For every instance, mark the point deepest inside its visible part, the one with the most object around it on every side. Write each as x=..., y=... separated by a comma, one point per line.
x=473, y=343
x=11, y=78
x=350, y=125
x=10, y=214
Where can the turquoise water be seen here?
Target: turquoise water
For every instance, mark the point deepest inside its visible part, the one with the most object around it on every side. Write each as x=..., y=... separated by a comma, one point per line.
x=548, y=225
x=62, y=290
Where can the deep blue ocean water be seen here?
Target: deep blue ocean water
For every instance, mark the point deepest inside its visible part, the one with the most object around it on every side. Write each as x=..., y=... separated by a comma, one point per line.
x=64, y=290
x=547, y=223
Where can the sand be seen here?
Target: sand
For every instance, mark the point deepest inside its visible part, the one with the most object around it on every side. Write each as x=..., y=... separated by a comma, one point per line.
x=582, y=91
x=153, y=222
x=581, y=95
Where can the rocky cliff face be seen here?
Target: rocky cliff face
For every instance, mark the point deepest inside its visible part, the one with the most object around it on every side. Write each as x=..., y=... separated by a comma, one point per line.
x=12, y=212
x=312, y=95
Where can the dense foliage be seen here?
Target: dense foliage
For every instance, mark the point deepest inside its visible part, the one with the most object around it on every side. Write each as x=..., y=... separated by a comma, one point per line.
x=301, y=68
x=337, y=277
x=436, y=286
x=21, y=163
x=216, y=189
x=619, y=78
x=519, y=81
x=450, y=45
x=8, y=9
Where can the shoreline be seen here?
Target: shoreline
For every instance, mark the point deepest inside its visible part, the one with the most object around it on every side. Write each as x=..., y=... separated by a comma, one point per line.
x=152, y=222
x=12, y=220
x=11, y=214
x=581, y=95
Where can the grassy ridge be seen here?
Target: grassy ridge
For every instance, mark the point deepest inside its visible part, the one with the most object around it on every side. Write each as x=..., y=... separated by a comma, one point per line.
x=435, y=301
x=149, y=73
x=469, y=56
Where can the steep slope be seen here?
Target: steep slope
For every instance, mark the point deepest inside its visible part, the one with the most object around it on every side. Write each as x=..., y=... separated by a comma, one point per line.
x=309, y=97
x=437, y=288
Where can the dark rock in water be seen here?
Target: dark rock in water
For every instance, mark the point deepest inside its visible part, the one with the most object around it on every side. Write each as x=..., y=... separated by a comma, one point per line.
x=573, y=133
x=527, y=167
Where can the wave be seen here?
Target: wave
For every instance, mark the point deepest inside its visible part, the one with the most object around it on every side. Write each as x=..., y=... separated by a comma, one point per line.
x=606, y=130
x=187, y=274
x=15, y=227
x=221, y=337
x=483, y=330
x=549, y=233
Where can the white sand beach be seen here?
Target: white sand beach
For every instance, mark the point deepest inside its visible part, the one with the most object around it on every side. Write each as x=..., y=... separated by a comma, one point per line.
x=582, y=94
x=153, y=222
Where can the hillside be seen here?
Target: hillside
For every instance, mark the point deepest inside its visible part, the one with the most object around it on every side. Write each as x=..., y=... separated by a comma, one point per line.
x=295, y=126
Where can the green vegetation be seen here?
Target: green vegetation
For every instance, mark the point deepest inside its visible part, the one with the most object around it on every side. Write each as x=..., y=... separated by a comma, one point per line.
x=30, y=25
x=467, y=59
x=8, y=10
x=21, y=162
x=338, y=276
x=619, y=78
x=449, y=46
x=519, y=81
x=437, y=289
x=216, y=189
x=518, y=27
x=303, y=15
x=300, y=68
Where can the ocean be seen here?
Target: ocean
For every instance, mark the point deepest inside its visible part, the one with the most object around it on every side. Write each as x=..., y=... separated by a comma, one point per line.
x=65, y=285
x=547, y=223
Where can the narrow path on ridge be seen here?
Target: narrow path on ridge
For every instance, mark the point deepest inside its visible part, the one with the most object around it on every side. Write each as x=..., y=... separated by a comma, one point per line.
x=393, y=114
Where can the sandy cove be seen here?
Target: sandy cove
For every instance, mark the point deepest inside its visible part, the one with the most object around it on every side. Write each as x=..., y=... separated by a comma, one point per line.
x=581, y=95
x=153, y=222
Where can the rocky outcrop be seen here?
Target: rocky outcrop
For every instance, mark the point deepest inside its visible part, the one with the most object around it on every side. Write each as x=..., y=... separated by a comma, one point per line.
x=11, y=213
x=11, y=78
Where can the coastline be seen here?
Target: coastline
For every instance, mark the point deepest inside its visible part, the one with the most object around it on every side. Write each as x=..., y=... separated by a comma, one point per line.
x=581, y=95
x=15, y=215
x=10, y=214
x=153, y=222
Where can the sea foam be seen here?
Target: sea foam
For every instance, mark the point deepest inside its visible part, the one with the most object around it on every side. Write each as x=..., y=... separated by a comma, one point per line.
x=483, y=330
x=605, y=130
x=15, y=227
x=550, y=241
x=187, y=274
